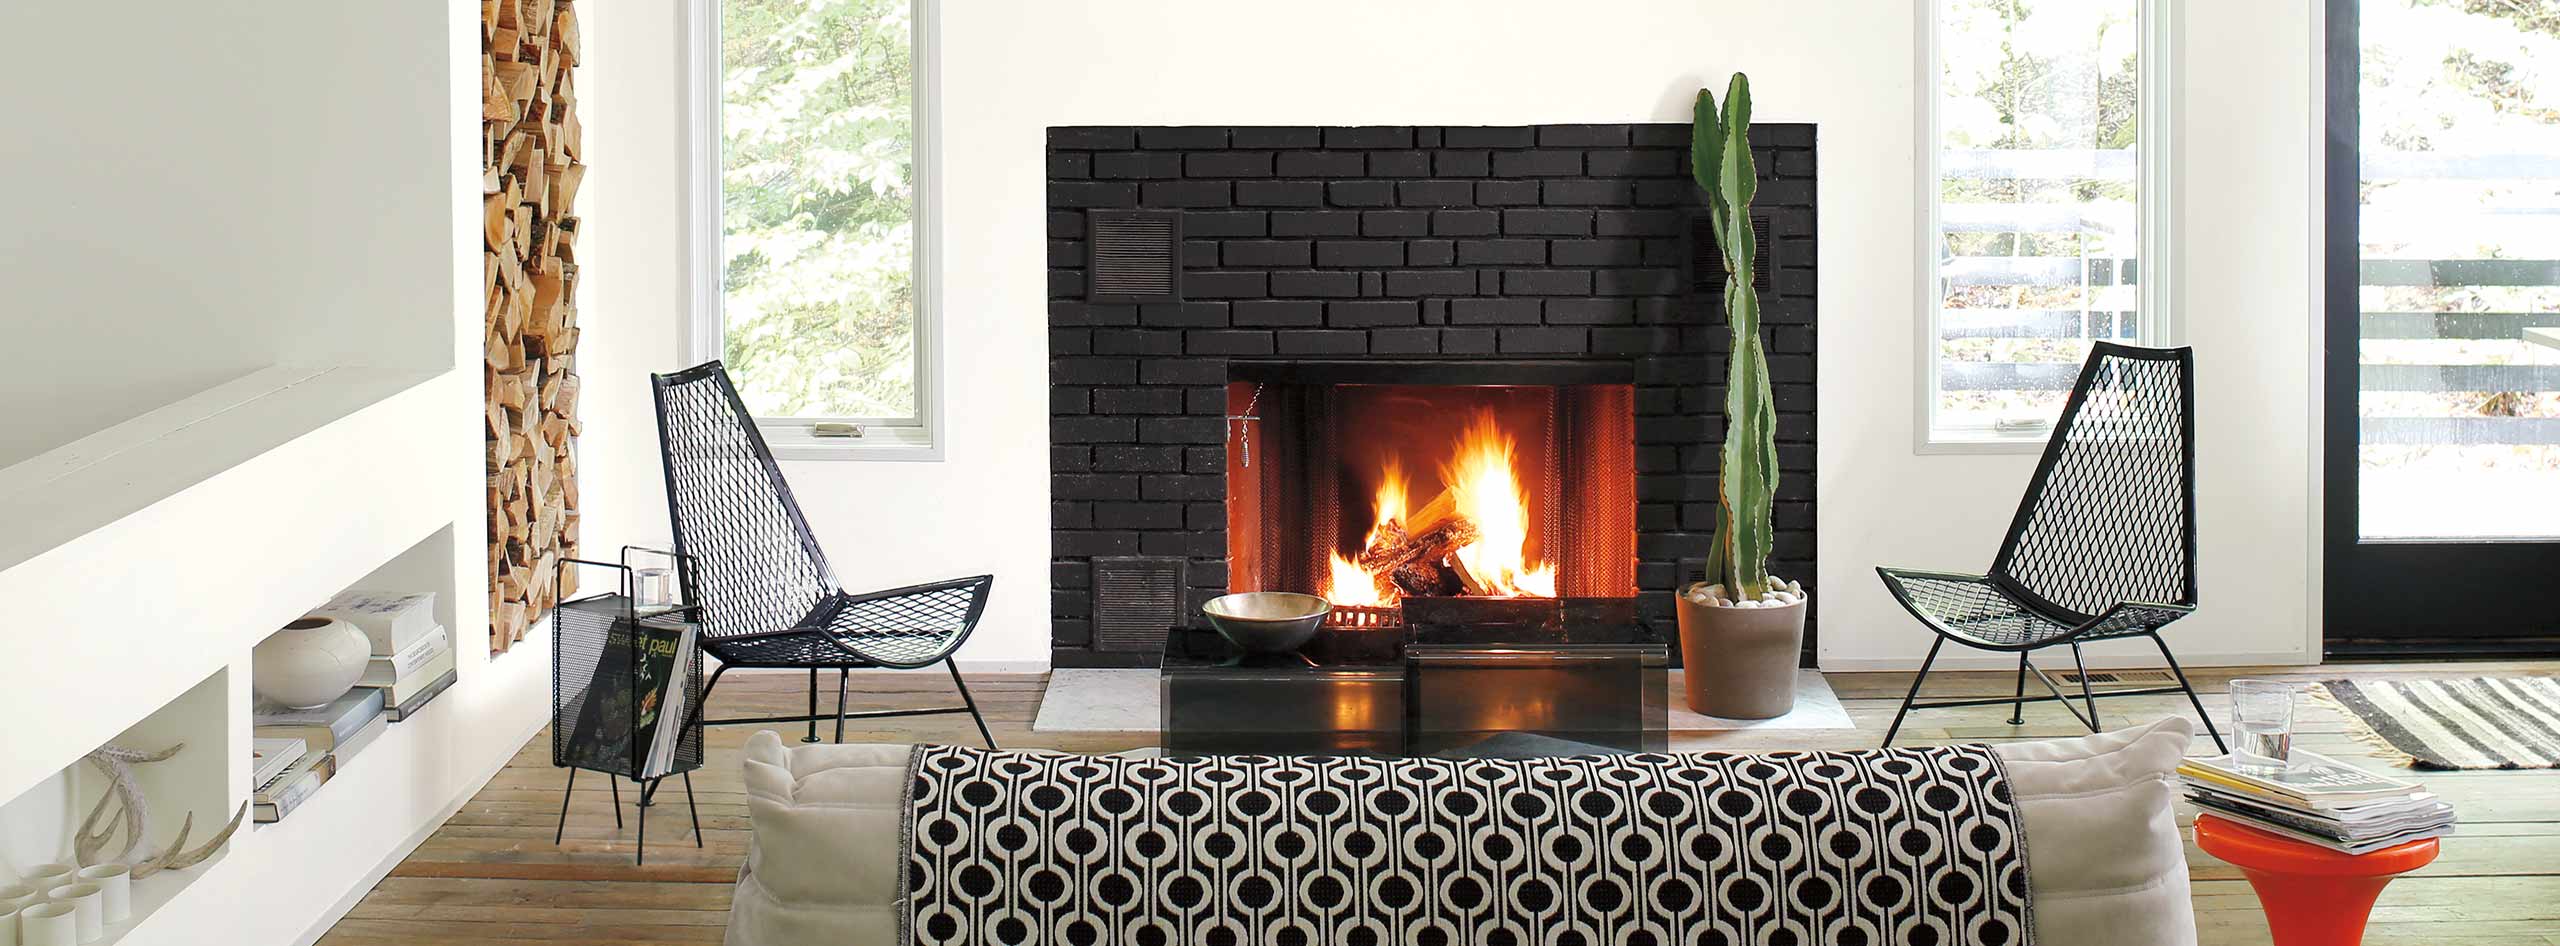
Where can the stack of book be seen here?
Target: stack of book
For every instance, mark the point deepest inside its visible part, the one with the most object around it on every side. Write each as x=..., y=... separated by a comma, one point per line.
x=2318, y=800
x=412, y=654
x=320, y=743
x=270, y=757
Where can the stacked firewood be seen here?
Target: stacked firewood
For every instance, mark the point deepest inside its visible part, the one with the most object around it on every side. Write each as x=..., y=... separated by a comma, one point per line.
x=1416, y=556
x=529, y=183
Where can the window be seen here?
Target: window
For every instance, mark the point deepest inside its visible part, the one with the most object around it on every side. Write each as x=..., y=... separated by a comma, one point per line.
x=812, y=174
x=2454, y=381
x=2045, y=207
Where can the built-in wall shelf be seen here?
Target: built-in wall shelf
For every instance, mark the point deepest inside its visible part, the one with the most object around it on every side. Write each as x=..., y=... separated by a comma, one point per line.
x=145, y=560
x=140, y=559
x=58, y=495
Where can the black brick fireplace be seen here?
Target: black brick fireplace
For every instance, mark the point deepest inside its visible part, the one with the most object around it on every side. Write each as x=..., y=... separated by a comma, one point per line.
x=1402, y=247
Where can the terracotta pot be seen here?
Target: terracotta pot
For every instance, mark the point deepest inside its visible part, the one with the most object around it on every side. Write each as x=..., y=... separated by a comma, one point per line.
x=1740, y=663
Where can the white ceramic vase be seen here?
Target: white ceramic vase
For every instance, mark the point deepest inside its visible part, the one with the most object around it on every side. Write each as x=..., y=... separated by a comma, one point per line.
x=9, y=924
x=309, y=663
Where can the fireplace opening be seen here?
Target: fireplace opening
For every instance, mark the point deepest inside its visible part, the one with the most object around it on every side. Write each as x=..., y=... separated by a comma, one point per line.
x=1448, y=497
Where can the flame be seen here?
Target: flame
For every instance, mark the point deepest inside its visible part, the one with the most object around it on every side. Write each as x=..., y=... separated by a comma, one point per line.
x=1352, y=585
x=1487, y=490
x=1390, y=506
x=1483, y=487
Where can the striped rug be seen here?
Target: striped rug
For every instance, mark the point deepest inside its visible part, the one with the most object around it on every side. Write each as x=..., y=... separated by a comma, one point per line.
x=2465, y=723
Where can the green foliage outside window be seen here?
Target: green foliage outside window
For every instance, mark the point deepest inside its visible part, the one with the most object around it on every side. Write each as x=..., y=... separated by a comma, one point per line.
x=818, y=206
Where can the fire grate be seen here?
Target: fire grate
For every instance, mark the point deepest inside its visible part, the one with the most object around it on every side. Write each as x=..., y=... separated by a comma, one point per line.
x=1365, y=617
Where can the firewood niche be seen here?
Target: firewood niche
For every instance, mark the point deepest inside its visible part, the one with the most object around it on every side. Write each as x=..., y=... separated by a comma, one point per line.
x=529, y=176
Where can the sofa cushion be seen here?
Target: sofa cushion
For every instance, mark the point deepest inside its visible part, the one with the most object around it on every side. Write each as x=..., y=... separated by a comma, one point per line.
x=823, y=866
x=2104, y=854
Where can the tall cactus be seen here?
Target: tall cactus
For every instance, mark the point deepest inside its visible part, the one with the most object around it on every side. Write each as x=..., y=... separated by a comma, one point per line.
x=1720, y=155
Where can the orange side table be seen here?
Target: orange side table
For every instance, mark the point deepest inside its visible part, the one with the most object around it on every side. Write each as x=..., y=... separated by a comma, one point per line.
x=2313, y=896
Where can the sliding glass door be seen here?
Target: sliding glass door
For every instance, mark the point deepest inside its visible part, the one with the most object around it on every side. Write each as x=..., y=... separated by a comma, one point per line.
x=2443, y=325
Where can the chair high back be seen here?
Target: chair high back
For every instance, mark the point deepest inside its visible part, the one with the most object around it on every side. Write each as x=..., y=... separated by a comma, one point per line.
x=746, y=554
x=2110, y=514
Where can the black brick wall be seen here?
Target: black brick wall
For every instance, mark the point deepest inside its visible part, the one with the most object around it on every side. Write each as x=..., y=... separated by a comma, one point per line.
x=1547, y=242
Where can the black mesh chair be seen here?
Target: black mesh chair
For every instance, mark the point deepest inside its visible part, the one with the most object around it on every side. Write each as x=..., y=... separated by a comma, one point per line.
x=2103, y=545
x=768, y=599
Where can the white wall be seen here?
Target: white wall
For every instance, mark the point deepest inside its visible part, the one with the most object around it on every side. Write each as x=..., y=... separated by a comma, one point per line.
x=631, y=287
x=216, y=188
x=1012, y=69
x=234, y=186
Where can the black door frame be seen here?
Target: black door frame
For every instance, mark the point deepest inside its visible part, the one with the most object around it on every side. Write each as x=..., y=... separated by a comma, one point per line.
x=2406, y=599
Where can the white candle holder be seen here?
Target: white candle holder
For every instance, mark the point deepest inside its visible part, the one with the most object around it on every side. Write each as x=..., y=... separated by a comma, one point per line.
x=45, y=877
x=49, y=924
x=115, y=881
x=88, y=906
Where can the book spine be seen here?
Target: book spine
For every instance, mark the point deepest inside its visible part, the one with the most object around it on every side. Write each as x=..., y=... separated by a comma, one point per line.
x=290, y=797
x=415, y=703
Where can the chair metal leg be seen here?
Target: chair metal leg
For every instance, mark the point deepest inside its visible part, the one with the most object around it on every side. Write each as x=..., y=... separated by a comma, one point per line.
x=2086, y=696
x=701, y=707
x=813, y=707
x=690, y=809
x=2018, y=709
x=563, y=830
x=841, y=674
x=954, y=666
x=617, y=800
x=1915, y=691
x=2191, y=692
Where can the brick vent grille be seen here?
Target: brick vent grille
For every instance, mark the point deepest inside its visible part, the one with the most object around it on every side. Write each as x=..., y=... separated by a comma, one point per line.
x=1135, y=598
x=1545, y=242
x=1137, y=256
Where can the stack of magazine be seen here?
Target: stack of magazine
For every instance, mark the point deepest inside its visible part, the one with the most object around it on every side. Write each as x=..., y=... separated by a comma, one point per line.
x=635, y=709
x=2319, y=800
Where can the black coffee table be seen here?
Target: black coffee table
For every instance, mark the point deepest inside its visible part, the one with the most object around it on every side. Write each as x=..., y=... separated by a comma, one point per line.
x=1399, y=692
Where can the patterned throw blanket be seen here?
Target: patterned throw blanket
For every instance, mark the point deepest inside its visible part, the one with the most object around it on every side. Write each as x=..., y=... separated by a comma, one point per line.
x=1883, y=847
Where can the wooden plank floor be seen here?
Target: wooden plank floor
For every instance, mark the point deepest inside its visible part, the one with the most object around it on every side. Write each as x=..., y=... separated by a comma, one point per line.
x=493, y=875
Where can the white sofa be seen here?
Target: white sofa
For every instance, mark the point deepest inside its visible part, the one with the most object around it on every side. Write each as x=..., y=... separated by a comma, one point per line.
x=2105, y=858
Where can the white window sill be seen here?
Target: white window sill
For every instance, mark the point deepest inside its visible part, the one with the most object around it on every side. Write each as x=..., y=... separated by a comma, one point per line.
x=1983, y=440
x=893, y=444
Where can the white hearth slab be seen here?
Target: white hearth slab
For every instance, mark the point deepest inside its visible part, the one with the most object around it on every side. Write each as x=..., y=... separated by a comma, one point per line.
x=1816, y=708
x=1087, y=700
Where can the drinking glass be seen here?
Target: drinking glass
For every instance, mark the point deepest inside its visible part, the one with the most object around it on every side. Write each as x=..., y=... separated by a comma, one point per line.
x=2262, y=724
x=653, y=588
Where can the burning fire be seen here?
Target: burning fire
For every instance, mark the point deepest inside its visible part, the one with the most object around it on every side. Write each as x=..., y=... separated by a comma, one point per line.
x=1475, y=534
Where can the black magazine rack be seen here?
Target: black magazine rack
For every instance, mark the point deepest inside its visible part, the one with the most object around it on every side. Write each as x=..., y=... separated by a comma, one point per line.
x=601, y=687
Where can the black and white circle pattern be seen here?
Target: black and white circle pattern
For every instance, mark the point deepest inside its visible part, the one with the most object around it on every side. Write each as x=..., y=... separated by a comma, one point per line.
x=1919, y=846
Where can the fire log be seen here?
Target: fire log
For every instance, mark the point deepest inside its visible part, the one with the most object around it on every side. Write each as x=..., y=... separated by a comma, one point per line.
x=1416, y=579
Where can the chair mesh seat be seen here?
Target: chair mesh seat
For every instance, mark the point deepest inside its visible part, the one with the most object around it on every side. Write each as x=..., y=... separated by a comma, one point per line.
x=1972, y=608
x=808, y=649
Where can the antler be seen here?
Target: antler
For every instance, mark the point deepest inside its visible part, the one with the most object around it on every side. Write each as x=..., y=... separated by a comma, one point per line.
x=173, y=859
x=117, y=762
x=134, y=817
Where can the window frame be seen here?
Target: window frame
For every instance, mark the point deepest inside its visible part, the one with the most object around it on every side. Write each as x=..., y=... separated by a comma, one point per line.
x=919, y=438
x=2156, y=324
